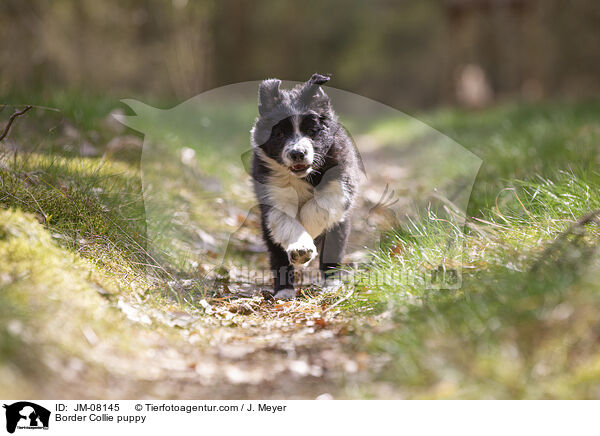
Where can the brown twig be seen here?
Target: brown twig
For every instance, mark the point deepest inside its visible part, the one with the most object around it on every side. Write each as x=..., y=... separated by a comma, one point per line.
x=12, y=119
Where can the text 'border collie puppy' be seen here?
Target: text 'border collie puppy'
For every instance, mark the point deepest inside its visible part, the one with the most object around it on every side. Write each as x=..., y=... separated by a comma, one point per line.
x=306, y=173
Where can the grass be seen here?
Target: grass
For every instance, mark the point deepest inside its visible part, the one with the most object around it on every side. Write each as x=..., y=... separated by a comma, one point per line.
x=49, y=297
x=75, y=238
x=523, y=142
x=93, y=209
x=522, y=324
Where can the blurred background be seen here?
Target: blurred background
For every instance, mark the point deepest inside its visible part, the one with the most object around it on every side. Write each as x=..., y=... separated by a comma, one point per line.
x=408, y=54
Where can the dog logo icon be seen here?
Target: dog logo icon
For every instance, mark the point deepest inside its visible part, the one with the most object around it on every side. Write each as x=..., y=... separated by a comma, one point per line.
x=26, y=415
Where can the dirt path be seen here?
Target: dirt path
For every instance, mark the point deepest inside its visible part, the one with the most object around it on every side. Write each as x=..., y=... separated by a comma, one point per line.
x=242, y=346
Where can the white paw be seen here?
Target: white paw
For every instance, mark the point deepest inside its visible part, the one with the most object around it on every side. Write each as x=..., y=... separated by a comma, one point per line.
x=302, y=251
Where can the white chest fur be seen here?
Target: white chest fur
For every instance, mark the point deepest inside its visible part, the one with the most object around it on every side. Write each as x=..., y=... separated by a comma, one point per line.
x=287, y=192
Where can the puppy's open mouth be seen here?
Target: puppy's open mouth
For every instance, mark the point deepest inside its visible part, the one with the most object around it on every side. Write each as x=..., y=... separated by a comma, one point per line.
x=299, y=168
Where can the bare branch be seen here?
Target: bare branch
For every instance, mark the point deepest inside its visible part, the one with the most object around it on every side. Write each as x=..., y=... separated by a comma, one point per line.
x=12, y=119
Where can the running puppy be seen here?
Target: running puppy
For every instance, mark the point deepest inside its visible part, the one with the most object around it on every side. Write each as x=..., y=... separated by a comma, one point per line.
x=306, y=174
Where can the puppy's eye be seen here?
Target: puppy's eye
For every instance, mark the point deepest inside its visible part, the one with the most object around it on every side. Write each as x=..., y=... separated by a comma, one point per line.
x=278, y=134
x=312, y=128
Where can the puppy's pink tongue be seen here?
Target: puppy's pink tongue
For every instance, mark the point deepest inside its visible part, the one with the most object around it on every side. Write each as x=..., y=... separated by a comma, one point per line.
x=299, y=167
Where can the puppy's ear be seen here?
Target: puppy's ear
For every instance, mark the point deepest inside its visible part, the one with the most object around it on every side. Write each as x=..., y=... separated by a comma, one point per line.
x=319, y=79
x=312, y=93
x=268, y=95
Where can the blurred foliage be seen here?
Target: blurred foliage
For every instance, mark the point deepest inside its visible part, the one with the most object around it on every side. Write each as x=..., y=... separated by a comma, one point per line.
x=408, y=54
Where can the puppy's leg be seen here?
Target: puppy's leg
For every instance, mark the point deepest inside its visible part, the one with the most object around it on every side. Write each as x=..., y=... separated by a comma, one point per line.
x=292, y=236
x=332, y=252
x=289, y=244
x=283, y=271
x=325, y=209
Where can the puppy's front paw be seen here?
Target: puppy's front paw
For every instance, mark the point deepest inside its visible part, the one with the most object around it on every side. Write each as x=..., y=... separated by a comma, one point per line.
x=302, y=251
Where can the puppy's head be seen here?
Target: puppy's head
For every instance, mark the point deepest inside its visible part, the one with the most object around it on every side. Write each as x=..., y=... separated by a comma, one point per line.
x=293, y=127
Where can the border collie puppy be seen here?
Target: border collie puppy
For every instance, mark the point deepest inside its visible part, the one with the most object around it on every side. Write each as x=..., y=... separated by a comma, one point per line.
x=306, y=173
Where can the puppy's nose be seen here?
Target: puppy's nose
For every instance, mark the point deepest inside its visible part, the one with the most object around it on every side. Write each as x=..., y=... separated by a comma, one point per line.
x=297, y=155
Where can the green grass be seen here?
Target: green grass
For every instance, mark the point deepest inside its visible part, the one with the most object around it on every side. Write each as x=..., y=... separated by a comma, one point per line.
x=94, y=205
x=514, y=141
x=73, y=243
x=49, y=296
x=92, y=208
x=522, y=324
x=523, y=142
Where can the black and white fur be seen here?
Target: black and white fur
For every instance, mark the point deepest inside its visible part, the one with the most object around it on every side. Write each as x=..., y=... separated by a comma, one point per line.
x=306, y=175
